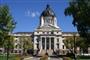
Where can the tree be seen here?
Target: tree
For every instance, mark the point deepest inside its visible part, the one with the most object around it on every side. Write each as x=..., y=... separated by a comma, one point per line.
x=26, y=43
x=8, y=43
x=79, y=42
x=80, y=11
x=7, y=24
x=69, y=42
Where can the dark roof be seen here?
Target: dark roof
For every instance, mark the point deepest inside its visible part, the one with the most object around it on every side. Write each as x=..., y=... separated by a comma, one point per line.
x=23, y=32
x=69, y=32
x=32, y=33
x=48, y=12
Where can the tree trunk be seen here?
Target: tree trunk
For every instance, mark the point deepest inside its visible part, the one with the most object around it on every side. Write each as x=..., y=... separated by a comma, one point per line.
x=8, y=52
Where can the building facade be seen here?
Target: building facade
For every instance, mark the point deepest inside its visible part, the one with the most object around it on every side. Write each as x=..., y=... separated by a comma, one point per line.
x=47, y=37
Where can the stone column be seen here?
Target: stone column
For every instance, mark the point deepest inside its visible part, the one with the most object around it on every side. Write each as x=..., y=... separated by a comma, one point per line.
x=55, y=47
x=42, y=21
x=35, y=41
x=40, y=45
x=41, y=42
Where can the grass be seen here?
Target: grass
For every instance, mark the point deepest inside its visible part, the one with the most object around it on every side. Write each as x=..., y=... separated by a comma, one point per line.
x=83, y=57
x=17, y=57
x=5, y=58
x=11, y=57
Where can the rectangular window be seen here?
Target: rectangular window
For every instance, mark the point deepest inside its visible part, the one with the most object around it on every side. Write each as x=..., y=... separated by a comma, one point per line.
x=57, y=39
x=63, y=46
x=58, y=46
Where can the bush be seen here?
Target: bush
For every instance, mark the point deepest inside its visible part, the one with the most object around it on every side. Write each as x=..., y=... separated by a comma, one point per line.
x=44, y=57
x=71, y=55
x=17, y=57
x=84, y=57
x=67, y=58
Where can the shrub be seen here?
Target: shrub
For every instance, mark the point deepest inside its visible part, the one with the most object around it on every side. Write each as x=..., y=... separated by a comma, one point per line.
x=67, y=58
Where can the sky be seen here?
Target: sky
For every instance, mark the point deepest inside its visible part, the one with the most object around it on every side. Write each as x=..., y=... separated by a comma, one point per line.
x=27, y=14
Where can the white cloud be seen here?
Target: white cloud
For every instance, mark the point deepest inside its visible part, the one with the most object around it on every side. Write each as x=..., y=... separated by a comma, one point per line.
x=27, y=13
x=32, y=13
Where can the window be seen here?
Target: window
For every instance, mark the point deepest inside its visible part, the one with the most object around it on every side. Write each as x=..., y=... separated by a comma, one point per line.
x=0, y=51
x=57, y=39
x=16, y=46
x=37, y=46
x=19, y=51
x=48, y=20
x=62, y=36
x=52, y=32
x=58, y=46
x=37, y=40
x=20, y=46
x=63, y=46
x=15, y=51
x=37, y=32
x=43, y=32
x=63, y=41
x=16, y=36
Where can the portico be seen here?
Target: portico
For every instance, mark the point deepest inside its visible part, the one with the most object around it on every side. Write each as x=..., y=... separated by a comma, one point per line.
x=47, y=43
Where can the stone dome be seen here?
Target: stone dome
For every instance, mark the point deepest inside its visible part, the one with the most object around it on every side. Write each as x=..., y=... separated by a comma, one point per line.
x=48, y=12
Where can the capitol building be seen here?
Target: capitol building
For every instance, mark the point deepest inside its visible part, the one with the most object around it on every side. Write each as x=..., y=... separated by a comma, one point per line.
x=47, y=37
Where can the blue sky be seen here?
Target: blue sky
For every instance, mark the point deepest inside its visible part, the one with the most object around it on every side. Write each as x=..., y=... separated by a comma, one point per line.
x=27, y=13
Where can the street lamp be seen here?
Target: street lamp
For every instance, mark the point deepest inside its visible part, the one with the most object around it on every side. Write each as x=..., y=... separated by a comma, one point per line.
x=74, y=43
x=74, y=36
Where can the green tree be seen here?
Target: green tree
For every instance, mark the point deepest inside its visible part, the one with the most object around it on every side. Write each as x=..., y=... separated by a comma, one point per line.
x=26, y=43
x=80, y=11
x=70, y=43
x=8, y=43
x=81, y=43
x=7, y=24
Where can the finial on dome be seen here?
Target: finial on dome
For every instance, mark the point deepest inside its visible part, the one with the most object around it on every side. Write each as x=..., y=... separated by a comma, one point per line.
x=48, y=6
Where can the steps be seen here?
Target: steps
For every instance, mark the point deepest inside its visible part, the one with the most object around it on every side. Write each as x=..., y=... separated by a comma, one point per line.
x=42, y=52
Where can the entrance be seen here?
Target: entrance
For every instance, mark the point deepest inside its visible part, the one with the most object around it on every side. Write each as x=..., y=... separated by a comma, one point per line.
x=47, y=43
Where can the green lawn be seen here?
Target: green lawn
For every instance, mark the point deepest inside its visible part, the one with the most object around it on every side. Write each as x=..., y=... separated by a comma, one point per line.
x=16, y=57
x=84, y=59
x=2, y=57
x=11, y=57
